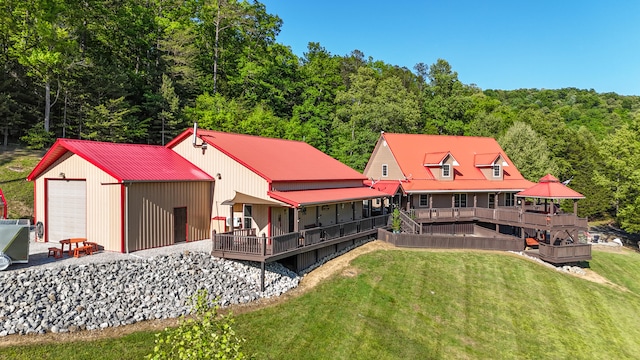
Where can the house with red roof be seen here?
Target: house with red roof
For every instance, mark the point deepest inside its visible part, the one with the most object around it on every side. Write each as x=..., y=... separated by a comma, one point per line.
x=437, y=171
x=124, y=197
x=466, y=187
x=286, y=192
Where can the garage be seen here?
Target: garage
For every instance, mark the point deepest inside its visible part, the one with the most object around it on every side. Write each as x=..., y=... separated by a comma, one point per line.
x=66, y=209
x=123, y=197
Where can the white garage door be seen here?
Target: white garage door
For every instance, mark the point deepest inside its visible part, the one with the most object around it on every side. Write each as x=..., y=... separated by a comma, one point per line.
x=66, y=209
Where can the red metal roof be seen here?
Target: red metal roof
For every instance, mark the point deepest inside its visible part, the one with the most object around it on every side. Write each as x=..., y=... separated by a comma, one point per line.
x=549, y=187
x=324, y=196
x=486, y=159
x=276, y=159
x=409, y=151
x=389, y=187
x=435, y=158
x=125, y=162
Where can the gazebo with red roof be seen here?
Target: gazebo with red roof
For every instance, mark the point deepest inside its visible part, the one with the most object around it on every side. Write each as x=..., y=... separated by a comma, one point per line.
x=550, y=188
x=559, y=240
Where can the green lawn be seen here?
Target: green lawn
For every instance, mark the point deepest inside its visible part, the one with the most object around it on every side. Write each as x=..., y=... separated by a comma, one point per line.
x=15, y=166
x=431, y=305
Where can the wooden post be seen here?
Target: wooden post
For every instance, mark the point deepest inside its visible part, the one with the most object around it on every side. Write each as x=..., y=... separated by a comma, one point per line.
x=262, y=276
x=296, y=219
x=231, y=217
x=575, y=207
x=264, y=255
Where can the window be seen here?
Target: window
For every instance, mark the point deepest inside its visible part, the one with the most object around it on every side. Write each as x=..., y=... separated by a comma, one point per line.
x=247, y=216
x=492, y=201
x=509, y=199
x=446, y=170
x=424, y=200
x=460, y=200
x=496, y=170
x=385, y=170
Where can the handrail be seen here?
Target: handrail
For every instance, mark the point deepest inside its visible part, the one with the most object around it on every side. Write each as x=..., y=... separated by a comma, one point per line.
x=238, y=242
x=408, y=222
x=514, y=215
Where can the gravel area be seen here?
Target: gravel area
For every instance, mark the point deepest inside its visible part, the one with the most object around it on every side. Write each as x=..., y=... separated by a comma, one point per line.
x=109, y=289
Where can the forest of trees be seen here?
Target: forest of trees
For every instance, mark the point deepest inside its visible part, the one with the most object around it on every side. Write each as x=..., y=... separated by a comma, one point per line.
x=144, y=70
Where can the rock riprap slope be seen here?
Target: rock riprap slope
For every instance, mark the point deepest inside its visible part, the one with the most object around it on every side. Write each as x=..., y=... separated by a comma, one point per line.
x=123, y=292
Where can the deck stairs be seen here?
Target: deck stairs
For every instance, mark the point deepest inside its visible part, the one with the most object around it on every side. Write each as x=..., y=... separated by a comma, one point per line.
x=409, y=225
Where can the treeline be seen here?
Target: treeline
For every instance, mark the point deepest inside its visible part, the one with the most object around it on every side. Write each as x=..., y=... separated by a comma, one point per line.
x=143, y=71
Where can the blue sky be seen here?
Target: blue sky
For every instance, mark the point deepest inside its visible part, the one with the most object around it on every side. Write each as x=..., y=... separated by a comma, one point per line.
x=494, y=44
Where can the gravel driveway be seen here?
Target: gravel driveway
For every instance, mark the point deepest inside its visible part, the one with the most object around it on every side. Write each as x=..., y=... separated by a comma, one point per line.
x=38, y=252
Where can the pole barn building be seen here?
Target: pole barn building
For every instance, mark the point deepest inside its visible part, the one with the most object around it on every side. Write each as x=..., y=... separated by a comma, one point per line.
x=125, y=197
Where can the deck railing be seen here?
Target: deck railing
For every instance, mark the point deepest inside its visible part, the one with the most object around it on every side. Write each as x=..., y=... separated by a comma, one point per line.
x=244, y=241
x=502, y=214
x=566, y=253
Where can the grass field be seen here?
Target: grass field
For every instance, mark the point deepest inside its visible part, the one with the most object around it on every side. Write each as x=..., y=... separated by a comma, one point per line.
x=430, y=305
x=15, y=166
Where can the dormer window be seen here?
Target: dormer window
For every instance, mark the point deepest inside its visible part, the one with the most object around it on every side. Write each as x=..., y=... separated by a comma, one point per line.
x=496, y=171
x=385, y=170
x=446, y=170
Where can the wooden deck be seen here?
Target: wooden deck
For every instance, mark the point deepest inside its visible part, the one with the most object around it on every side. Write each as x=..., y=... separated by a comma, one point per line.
x=244, y=245
x=555, y=225
x=504, y=215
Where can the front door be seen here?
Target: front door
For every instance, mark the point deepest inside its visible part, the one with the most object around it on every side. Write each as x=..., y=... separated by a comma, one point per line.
x=292, y=217
x=179, y=224
x=492, y=201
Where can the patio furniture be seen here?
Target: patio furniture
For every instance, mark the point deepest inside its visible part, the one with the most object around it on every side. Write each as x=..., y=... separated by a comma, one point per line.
x=55, y=252
x=71, y=241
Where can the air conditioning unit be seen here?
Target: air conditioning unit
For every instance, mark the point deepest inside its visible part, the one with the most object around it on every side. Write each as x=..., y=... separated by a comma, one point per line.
x=237, y=222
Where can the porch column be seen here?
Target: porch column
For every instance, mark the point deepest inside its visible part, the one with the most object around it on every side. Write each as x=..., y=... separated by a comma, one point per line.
x=430, y=201
x=296, y=219
x=453, y=201
x=475, y=200
x=231, y=217
x=408, y=202
x=317, y=216
x=575, y=207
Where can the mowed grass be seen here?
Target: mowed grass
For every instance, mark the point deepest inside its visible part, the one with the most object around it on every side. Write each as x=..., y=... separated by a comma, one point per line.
x=15, y=166
x=430, y=305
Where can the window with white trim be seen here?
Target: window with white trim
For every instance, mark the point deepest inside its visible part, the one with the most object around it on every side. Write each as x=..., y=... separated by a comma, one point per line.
x=496, y=171
x=424, y=200
x=459, y=200
x=248, y=215
x=446, y=170
x=385, y=170
x=492, y=201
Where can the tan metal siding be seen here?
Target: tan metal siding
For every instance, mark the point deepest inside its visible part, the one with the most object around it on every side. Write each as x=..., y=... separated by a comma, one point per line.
x=382, y=155
x=233, y=176
x=345, y=213
x=307, y=217
x=327, y=215
x=359, y=209
x=103, y=201
x=261, y=219
x=280, y=219
x=150, y=212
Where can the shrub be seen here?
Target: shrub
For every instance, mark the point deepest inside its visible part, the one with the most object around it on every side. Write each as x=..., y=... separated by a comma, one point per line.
x=396, y=221
x=203, y=335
